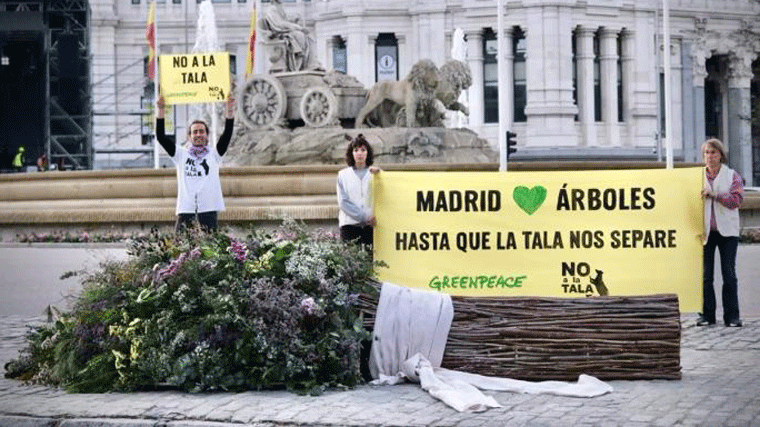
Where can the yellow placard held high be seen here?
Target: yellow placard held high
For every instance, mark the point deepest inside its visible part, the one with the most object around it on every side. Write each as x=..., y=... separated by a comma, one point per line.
x=194, y=78
x=568, y=234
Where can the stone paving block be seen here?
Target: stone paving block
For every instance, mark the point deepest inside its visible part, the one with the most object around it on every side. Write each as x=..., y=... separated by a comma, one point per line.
x=519, y=420
x=192, y=423
x=14, y=421
x=95, y=422
x=246, y=415
x=219, y=415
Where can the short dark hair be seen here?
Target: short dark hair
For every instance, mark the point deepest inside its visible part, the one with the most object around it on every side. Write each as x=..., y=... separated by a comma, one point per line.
x=358, y=141
x=190, y=128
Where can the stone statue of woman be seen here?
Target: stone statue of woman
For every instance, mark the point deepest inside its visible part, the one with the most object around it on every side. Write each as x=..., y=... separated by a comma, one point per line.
x=299, y=46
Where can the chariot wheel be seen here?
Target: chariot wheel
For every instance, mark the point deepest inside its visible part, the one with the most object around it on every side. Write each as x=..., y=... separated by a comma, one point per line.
x=263, y=103
x=319, y=107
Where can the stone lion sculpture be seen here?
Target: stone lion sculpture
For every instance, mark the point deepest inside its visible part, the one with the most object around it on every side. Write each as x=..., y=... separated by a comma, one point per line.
x=430, y=111
x=455, y=77
x=418, y=88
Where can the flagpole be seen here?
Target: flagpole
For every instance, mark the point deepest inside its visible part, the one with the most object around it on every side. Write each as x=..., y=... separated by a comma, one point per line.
x=666, y=65
x=155, y=84
x=257, y=65
x=501, y=84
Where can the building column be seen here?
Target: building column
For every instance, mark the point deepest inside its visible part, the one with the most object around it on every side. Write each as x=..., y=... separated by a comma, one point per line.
x=699, y=53
x=584, y=40
x=105, y=78
x=644, y=82
x=629, y=70
x=475, y=92
x=699, y=114
x=739, y=114
x=550, y=108
x=405, y=61
x=609, y=72
x=432, y=37
x=357, y=47
x=690, y=151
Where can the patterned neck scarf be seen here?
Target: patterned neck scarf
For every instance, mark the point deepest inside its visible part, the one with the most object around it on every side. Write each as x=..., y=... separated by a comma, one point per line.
x=198, y=152
x=710, y=175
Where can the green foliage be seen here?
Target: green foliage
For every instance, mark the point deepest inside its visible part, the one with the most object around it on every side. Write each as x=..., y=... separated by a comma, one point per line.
x=206, y=312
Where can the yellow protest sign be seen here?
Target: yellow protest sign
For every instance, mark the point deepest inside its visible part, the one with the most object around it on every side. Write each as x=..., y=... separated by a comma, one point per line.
x=193, y=78
x=553, y=234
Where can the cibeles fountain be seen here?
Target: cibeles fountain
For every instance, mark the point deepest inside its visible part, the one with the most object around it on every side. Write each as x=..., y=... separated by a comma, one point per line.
x=298, y=113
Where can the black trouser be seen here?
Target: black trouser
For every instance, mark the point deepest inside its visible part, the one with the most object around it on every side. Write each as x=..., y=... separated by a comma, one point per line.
x=206, y=219
x=349, y=233
x=727, y=247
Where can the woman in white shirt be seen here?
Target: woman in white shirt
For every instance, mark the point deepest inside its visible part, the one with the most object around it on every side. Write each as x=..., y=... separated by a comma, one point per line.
x=354, y=189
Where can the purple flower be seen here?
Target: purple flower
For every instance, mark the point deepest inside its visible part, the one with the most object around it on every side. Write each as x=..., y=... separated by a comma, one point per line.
x=171, y=269
x=239, y=250
x=308, y=305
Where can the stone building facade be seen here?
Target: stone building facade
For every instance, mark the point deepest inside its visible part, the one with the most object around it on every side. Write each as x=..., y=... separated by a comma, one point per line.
x=584, y=78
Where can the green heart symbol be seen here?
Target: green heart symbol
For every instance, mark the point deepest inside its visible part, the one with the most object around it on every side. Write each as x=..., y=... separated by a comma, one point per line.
x=529, y=200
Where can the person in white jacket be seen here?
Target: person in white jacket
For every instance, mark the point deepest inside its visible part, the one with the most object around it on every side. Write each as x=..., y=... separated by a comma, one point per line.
x=723, y=193
x=354, y=186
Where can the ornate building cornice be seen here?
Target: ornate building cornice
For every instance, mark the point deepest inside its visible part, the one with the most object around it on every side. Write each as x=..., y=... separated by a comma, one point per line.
x=740, y=46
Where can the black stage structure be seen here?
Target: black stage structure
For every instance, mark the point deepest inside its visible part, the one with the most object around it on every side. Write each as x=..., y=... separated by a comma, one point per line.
x=45, y=102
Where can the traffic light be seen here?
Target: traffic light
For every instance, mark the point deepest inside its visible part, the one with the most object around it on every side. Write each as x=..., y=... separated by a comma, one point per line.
x=511, y=143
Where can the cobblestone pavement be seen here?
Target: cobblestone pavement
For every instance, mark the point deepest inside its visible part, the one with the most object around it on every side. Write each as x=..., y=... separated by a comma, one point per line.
x=720, y=387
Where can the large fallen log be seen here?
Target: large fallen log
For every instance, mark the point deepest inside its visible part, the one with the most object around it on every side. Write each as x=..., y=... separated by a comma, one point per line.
x=529, y=338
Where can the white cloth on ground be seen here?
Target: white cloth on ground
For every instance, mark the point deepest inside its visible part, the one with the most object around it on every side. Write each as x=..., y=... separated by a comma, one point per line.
x=408, y=321
x=411, y=329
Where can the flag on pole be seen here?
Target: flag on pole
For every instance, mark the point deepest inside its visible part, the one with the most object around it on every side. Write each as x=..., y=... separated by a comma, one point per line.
x=150, y=36
x=251, y=57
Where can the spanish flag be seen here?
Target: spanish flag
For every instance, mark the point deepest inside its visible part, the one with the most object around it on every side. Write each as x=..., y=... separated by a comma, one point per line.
x=251, y=57
x=150, y=36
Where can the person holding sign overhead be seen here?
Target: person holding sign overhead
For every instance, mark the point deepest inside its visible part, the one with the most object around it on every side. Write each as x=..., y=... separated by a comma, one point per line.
x=199, y=191
x=355, y=217
x=723, y=192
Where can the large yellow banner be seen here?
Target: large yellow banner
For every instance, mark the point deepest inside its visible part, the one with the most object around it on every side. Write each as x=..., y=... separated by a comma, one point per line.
x=554, y=234
x=194, y=78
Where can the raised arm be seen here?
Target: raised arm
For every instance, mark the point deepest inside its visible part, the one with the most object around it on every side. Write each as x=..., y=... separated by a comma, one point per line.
x=165, y=142
x=229, y=115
